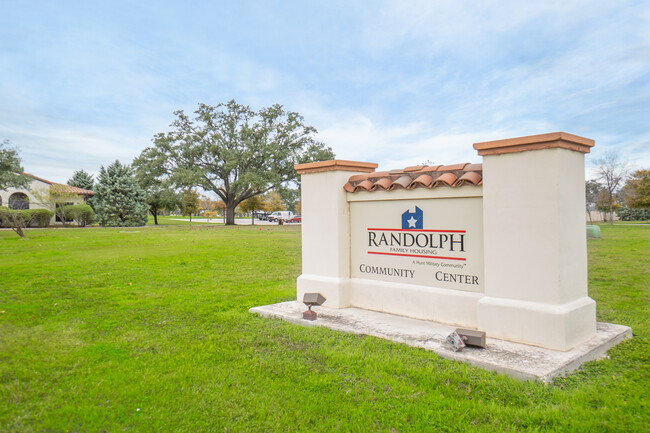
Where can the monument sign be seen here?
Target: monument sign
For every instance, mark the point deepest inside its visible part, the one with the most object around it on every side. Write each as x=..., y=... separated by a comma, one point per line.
x=498, y=247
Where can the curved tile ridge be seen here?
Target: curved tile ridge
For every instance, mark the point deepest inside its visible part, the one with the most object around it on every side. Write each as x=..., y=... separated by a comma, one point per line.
x=431, y=168
x=363, y=186
x=445, y=179
x=383, y=183
x=422, y=180
x=470, y=177
x=401, y=182
x=379, y=174
x=452, y=167
x=418, y=176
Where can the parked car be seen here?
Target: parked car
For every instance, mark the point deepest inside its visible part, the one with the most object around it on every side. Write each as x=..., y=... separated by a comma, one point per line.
x=295, y=219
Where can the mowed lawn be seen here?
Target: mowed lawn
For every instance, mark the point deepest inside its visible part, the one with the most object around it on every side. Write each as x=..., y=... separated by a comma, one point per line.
x=148, y=330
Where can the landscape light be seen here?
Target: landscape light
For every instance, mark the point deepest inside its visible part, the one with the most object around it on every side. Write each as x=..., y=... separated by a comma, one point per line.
x=311, y=299
x=465, y=337
x=455, y=341
x=471, y=337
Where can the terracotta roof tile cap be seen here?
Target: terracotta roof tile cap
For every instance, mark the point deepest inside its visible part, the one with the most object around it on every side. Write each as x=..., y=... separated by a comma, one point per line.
x=383, y=183
x=469, y=177
x=378, y=174
x=403, y=182
x=414, y=168
x=535, y=142
x=335, y=165
x=416, y=176
x=365, y=185
x=422, y=180
x=452, y=167
x=445, y=178
x=427, y=169
x=358, y=177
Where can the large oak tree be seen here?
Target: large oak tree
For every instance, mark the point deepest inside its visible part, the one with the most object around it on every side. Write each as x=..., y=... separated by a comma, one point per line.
x=234, y=151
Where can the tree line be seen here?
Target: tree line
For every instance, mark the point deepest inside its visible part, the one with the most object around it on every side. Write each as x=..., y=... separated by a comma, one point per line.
x=244, y=157
x=618, y=189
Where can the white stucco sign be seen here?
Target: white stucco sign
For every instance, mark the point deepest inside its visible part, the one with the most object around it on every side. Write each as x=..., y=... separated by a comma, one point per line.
x=498, y=246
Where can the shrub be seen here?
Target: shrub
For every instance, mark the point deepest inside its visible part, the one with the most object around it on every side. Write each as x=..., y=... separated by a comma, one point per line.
x=82, y=214
x=632, y=214
x=8, y=217
x=4, y=211
x=16, y=219
x=40, y=217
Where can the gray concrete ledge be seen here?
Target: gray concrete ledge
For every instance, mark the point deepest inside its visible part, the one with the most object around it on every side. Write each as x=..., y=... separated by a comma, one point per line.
x=514, y=359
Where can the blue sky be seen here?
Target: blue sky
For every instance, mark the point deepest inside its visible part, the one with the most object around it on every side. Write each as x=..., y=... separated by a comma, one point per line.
x=83, y=83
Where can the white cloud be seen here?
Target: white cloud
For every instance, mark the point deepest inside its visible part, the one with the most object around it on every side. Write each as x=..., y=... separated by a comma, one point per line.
x=54, y=153
x=460, y=26
x=354, y=136
x=634, y=151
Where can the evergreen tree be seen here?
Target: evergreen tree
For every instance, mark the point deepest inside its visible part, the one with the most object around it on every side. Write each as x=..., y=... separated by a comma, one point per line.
x=119, y=200
x=81, y=179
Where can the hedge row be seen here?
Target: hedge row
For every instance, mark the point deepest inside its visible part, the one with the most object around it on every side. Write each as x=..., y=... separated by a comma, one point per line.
x=27, y=218
x=82, y=214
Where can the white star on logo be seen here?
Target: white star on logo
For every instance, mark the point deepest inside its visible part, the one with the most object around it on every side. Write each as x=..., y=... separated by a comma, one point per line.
x=411, y=222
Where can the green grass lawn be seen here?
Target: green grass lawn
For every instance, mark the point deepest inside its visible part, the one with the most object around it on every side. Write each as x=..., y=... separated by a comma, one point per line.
x=167, y=220
x=185, y=220
x=148, y=330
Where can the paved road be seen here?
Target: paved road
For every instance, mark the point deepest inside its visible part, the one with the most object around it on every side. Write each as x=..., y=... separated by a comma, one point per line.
x=238, y=221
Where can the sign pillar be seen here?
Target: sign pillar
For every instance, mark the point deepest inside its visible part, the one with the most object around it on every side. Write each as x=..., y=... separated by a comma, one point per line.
x=326, y=229
x=535, y=242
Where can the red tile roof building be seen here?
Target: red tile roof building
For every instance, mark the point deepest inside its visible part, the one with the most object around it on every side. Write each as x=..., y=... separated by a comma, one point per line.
x=60, y=187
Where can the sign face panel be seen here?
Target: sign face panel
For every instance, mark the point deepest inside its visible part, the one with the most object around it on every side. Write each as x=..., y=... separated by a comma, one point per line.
x=429, y=242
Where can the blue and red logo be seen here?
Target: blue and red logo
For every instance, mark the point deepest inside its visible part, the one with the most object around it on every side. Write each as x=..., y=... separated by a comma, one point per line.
x=412, y=240
x=413, y=220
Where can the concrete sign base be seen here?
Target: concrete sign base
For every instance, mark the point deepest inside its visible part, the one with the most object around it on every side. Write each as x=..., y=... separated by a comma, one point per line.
x=517, y=360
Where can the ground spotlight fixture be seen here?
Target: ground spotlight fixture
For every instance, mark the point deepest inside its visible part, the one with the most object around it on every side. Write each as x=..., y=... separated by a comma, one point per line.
x=455, y=341
x=311, y=299
x=471, y=337
x=465, y=337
